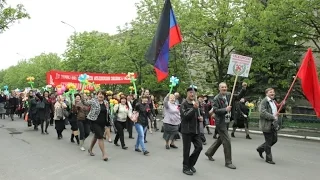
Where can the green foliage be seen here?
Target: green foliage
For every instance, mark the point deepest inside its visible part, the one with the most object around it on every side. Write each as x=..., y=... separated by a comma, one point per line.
x=274, y=33
x=9, y=15
x=15, y=76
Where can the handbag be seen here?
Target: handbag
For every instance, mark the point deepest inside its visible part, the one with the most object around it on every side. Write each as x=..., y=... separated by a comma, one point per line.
x=40, y=105
x=134, y=117
x=65, y=113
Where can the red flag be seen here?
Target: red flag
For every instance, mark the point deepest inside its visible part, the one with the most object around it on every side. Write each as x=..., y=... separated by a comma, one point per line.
x=309, y=81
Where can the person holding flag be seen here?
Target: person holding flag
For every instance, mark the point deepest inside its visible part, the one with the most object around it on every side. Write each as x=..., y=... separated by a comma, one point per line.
x=269, y=110
x=190, y=130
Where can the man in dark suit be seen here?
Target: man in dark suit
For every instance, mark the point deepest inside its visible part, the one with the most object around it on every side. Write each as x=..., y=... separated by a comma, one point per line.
x=268, y=116
x=222, y=113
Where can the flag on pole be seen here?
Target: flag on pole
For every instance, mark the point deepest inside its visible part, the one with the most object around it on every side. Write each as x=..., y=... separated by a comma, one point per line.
x=309, y=81
x=167, y=35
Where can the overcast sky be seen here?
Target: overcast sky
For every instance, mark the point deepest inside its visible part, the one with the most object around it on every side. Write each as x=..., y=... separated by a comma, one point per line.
x=44, y=32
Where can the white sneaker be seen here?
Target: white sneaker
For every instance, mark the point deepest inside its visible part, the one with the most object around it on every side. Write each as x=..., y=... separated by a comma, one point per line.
x=82, y=149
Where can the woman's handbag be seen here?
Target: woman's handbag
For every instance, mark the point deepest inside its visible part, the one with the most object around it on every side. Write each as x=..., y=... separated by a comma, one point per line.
x=66, y=113
x=134, y=117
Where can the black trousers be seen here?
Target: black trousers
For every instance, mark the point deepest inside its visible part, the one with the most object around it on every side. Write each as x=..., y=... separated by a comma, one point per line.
x=129, y=124
x=84, y=129
x=51, y=118
x=271, y=139
x=120, y=126
x=223, y=139
x=190, y=160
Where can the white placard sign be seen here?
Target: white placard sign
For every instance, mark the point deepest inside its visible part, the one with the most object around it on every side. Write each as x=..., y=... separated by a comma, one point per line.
x=239, y=65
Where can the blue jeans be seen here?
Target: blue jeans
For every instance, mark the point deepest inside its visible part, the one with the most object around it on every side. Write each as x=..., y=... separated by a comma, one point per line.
x=140, y=140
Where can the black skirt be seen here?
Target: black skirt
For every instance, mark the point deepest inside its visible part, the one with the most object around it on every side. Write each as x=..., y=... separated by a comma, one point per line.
x=59, y=125
x=97, y=129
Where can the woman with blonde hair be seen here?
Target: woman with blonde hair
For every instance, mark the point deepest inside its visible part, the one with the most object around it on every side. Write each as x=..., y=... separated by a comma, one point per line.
x=171, y=120
x=59, y=115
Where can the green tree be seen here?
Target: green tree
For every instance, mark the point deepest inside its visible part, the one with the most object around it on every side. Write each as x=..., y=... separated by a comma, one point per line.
x=9, y=15
x=266, y=35
x=15, y=76
x=88, y=52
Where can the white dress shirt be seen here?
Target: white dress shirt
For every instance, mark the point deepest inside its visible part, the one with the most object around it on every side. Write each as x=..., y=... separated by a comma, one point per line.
x=273, y=106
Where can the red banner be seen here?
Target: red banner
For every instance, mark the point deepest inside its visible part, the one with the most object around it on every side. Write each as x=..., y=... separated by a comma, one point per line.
x=55, y=78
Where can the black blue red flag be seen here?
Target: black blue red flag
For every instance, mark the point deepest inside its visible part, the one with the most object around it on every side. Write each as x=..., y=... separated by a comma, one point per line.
x=167, y=35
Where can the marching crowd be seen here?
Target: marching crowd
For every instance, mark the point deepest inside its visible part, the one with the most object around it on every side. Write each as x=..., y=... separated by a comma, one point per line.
x=103, y=113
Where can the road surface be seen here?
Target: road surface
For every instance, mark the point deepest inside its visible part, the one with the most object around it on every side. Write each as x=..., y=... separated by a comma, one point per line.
x=32, y=156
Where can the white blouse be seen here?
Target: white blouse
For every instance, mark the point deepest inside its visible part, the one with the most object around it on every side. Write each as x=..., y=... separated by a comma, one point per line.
x=123, y=111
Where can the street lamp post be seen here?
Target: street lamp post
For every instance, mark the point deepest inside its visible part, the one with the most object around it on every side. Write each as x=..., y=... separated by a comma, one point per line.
x=21, y=55
x=75, y=30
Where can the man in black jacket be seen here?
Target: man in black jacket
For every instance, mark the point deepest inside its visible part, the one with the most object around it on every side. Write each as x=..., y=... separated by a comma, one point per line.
x=190, y=119
x=222, y=112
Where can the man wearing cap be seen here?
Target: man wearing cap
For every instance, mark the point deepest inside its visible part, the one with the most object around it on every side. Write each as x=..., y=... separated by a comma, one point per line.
x=190, y=130
x=221, y=108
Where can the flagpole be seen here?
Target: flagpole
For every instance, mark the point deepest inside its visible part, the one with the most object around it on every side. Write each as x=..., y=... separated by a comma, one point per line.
x=190, y=77
x=287, y=95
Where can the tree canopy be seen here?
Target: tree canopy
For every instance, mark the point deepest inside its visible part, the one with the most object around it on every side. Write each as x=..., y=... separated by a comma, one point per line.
x=9, y=15
x=276, y=34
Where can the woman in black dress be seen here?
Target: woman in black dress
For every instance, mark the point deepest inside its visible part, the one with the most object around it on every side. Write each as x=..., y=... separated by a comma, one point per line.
x=98, y=118
x=43, y=111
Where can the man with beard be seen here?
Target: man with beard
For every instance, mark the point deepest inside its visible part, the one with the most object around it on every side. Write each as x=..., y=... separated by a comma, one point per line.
x=222, y=112
x=190, y=130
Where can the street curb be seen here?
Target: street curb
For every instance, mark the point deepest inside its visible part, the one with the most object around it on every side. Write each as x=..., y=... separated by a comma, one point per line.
x=280, y=134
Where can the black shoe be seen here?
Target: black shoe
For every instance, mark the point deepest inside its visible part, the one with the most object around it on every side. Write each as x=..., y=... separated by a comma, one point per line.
x=131, y=137
x=46, y=132
x=209, y=157
x=204, y=143
x=232, y=135
x=215, y=137
x=42, y=133
x=116, y=144
x=248, y=137
x=230, y=166
x=146, y=153
x=173, y=146
x=270, y=162
x=167, y=147
x=187, y=172
x=137, y=150
x=145, y=141
x=209, y=133
x=260, y=154
x=124, y=147
x=193, y=169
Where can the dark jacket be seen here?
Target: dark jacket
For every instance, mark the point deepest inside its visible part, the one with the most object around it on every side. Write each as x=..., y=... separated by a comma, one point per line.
x=32, y=105
x=144, y=113
x=219, y=107
x=189, y=118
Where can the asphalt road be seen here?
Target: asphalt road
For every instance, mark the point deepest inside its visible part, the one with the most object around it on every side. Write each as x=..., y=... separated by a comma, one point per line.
x=32, y=156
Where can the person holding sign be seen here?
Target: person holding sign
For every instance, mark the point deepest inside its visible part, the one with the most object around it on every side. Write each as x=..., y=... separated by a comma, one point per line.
x=222, y=108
